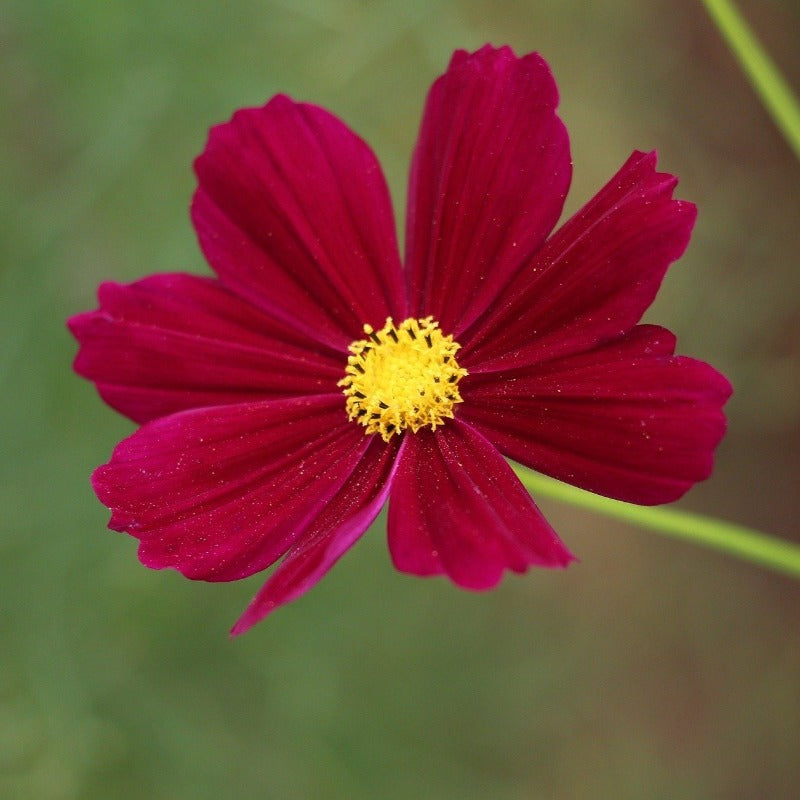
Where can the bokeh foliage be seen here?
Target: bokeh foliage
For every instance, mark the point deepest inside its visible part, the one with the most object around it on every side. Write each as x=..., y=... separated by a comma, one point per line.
x=651, y=669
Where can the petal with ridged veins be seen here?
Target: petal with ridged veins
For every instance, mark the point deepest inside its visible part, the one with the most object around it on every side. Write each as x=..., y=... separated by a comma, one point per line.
x=458, y=509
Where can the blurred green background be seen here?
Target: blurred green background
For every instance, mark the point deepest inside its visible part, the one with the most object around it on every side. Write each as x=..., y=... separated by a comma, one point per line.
x=652, y=669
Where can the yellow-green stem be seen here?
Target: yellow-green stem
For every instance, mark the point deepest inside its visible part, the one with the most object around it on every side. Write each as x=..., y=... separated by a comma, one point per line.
x=735, y=540
x=773, y=91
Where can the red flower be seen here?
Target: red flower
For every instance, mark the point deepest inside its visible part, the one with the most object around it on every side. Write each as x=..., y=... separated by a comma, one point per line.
x=284, y=400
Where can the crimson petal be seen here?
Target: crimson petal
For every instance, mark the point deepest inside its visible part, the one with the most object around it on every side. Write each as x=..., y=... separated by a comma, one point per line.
x=627, y=420
x=220, y=493
x=593, y=279
x=457, y=508
x=335, y=530
x=173, y=342
x=488, y=180
x=293, y=213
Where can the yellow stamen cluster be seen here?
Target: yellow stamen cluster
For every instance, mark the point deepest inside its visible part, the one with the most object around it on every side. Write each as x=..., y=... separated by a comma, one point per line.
x=402, y=376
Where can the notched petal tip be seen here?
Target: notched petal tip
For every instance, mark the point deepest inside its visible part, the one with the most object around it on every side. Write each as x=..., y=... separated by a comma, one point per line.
x=490, y=58
x=562, y=558
x=77, y=322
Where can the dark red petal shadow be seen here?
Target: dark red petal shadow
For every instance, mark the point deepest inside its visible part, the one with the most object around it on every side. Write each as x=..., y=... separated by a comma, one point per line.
x=627, y=420
x=220, y=493
x=457, y=508
x=337, y=528
x=593, y=279
x=488, y=180
x=173, y=342
x=293, y=213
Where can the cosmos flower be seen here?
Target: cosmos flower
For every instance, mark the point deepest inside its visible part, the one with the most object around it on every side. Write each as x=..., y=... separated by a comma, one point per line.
x=283, y=401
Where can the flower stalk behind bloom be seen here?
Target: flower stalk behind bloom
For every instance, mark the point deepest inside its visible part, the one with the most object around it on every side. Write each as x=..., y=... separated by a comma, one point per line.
x=281, y=406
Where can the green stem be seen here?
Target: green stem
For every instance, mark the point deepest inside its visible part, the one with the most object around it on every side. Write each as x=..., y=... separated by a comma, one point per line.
x=760, y=69
x=735, y=540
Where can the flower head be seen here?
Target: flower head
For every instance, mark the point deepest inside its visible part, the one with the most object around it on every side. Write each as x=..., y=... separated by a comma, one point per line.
x=283, y=401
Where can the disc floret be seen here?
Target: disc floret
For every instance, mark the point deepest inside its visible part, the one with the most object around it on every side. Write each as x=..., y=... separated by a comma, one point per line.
x=402, y=376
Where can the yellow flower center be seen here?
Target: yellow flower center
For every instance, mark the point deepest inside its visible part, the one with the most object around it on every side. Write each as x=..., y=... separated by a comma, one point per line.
x=402, y=376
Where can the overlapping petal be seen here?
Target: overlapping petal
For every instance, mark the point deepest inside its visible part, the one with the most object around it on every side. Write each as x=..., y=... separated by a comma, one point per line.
x=457, y=508
x=173, y=342
x=335, y=530
x=220, y=493
x=293, y=213
x=490, y=173
x=593, y=279
x=627, y=420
